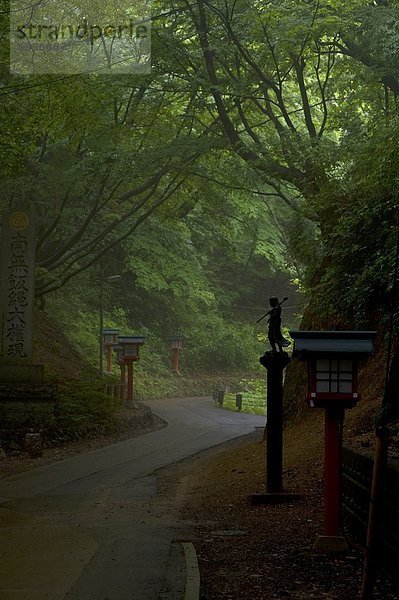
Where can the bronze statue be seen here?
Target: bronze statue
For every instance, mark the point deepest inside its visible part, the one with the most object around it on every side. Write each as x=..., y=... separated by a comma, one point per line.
x=274, y=333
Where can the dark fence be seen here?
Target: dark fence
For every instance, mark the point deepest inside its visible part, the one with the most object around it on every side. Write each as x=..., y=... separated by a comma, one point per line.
x=116, y=390
x=357, y=471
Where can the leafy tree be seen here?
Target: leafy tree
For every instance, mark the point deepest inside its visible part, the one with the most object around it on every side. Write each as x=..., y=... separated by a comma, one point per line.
x=261, y=148
x=297, y=87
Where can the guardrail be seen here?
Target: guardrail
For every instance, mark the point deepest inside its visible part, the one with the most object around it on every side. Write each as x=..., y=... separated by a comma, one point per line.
x=218, y=397
x=357, y=471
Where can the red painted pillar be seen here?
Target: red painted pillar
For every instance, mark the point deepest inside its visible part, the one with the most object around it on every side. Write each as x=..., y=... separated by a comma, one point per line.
x=122, y=367
x=175, y=359
x=130, y=383
x=123, y=372
x=109, y=359
x=332, y=470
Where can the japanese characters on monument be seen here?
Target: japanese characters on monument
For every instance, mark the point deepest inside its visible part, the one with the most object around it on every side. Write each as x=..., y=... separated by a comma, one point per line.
x=17, y=273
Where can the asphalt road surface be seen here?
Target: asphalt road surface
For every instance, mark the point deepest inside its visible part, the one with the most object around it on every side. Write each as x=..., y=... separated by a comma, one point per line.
x=81, y=529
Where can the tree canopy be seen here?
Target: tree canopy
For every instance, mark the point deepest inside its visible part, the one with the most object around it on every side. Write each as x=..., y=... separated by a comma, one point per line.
x=261, y=147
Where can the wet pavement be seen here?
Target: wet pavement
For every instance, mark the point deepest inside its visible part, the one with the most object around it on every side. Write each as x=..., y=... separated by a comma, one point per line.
x=82, y=529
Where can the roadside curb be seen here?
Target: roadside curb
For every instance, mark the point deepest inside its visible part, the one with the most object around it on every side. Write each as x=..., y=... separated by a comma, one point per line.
x=182, y=577
x=192, y=572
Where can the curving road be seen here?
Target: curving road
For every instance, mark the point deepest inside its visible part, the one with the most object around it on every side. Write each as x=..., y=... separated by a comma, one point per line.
x=82, y=529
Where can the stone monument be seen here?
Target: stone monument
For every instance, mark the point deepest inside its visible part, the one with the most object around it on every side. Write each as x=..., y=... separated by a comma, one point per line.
x=23, y=395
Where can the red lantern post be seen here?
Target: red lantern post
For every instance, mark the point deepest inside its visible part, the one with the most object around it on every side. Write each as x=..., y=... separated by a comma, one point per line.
x=110, y=338
x=123, y=372
x=118, y=349
x=130, y=353
x=332, y=358
x=176, y=344
x=334, y=419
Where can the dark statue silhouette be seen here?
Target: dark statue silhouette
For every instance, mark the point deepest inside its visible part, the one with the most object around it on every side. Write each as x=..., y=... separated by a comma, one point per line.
x=274, y=333
x=274, y=362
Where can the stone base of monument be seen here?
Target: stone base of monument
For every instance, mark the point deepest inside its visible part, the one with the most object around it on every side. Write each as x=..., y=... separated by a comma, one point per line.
x=27, y=404
x=17, y=373
x=25, y=400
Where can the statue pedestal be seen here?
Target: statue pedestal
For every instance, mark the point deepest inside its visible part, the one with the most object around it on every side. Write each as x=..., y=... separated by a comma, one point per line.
x=275, y=363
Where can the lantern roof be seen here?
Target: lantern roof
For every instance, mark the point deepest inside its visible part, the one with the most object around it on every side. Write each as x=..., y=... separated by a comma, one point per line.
x=131, y=339
x=107, y=331
x=333, y=342
x=175, y=338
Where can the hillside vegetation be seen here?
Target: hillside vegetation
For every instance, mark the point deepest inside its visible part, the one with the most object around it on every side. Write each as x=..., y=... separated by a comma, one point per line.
x=257, y=157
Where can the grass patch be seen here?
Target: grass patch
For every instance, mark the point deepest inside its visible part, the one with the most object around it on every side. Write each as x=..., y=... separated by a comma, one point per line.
x=82, y=404
x=251, y=403
x=253, y=393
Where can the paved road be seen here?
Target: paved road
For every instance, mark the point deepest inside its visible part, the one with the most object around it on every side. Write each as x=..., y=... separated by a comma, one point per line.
x=81, y=529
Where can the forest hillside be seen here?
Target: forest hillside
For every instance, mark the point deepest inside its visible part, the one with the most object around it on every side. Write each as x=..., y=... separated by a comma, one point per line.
x=250, y=151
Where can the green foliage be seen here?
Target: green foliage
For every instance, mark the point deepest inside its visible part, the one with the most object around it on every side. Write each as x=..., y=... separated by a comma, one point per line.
x=212, y=182
x=81, y=404
x=217, y=345
x=149, y=386
x=76, y=312
x=357, y=274
x=253, y=397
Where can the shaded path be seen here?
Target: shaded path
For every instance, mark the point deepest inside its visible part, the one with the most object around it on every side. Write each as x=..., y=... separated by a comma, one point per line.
x=81, y=529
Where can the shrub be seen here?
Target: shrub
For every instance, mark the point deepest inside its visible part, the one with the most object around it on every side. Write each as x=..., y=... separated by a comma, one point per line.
x=82, y=404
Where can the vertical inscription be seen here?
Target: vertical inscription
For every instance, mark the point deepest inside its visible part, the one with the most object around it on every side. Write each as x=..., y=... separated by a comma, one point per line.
x=17, y=266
